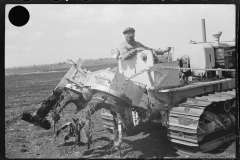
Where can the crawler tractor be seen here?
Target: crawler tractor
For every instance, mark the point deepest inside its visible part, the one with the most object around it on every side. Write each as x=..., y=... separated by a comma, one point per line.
x=191, y=91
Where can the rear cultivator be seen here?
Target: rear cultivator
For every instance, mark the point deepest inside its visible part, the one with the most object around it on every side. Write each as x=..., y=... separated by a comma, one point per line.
x=82, y=124
x=193, y=96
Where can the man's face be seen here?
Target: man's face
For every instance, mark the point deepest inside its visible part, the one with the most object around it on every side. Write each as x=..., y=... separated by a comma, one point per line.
x=129, y=36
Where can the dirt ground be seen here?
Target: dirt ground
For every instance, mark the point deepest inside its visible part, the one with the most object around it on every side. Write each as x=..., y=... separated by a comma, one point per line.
x=24, y=140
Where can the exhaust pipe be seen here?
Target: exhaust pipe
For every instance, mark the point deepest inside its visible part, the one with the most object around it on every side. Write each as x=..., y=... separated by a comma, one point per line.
x=203, y=30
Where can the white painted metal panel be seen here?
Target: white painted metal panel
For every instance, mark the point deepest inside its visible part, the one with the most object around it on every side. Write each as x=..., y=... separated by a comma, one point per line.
x=136, y=64
x=201, y=56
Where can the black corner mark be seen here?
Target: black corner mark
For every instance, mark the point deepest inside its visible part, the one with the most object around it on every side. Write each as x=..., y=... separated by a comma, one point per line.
x=18, y=16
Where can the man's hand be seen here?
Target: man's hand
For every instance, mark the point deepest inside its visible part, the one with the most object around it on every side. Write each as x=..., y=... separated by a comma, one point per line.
x=131, y=53
x=167, y=49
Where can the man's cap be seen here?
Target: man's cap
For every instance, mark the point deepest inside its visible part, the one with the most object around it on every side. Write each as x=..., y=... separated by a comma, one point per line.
x=129, y=29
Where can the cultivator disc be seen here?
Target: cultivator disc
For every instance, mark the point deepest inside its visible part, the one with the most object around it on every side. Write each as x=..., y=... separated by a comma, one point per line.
x=203, y=123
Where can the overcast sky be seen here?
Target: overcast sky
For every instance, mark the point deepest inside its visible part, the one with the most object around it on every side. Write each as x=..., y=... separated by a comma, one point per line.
x=56, y=33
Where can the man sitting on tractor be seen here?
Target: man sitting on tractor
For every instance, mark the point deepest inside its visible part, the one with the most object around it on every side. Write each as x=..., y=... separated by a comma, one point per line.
x=130, y=47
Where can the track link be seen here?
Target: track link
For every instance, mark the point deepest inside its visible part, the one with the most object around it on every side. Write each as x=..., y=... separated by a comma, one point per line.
x=203, y=123
x=107, y=119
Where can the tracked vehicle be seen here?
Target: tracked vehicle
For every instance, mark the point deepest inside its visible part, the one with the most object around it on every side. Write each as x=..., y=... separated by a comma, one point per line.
x=191, y=91
x=193, y=95
x=195, y=92
x=199, y=106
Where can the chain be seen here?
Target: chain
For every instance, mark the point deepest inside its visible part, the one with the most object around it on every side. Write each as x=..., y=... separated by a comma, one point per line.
x=229, y=70
x=149, y=68
x=142, y=71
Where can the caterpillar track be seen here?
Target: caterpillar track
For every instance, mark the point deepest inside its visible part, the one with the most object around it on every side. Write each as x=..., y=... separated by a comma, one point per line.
x=107, y=119
x=203, y=123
